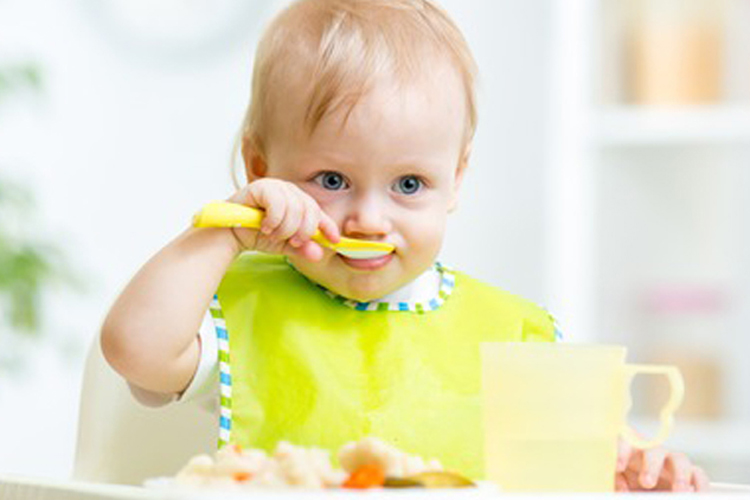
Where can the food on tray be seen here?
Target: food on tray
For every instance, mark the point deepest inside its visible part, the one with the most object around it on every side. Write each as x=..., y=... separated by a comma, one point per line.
x=368, y=463
x=434, y=479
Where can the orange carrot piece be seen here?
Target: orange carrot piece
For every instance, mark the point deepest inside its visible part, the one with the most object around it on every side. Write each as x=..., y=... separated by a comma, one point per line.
x=241, y=476
x=367, y=476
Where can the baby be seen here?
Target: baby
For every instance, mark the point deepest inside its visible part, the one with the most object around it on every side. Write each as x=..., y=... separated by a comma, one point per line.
x=360, y=124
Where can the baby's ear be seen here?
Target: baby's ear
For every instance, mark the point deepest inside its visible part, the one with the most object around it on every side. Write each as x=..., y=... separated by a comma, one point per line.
x=463, y=164
x=255, y=163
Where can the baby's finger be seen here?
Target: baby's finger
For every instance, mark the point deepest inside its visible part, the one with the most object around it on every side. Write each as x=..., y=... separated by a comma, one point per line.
x=699, y=481
x=681, y=469
x=291, y=221
x=275, y=206
x=310, y=251
x=621, y=484
x=624, y=452
x=309, y=224
x=630, y=476
x=653, y=464
x=329, y=228
x=323, y=221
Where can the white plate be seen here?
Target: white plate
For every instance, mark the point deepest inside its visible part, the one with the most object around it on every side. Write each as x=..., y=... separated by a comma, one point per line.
x=168, y=489
x=729, y=488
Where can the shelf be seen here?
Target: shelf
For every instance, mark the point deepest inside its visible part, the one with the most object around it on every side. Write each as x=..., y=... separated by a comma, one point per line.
x=626, y=126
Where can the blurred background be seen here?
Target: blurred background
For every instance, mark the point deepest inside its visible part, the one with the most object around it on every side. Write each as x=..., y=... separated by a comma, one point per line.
x=609, y=183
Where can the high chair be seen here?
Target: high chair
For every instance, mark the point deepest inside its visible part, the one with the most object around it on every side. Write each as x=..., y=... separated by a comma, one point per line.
x=120, y=441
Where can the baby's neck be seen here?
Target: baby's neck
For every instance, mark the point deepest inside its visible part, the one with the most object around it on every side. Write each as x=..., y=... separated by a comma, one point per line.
x=423, y=288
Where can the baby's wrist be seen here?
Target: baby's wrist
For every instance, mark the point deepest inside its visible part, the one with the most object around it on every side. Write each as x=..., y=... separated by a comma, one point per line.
x=215, y=237
x=240, y=245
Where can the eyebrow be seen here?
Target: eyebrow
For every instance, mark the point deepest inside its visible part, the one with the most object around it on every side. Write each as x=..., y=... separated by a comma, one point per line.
x=426, y=169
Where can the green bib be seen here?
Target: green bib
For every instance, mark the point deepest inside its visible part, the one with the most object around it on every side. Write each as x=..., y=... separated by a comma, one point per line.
x=309, y=369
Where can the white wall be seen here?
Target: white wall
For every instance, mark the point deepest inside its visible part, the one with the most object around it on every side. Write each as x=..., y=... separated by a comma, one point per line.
x=120, y=152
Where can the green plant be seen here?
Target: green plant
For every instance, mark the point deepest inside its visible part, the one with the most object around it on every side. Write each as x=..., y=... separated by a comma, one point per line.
x=25, y=76
x=28, y=265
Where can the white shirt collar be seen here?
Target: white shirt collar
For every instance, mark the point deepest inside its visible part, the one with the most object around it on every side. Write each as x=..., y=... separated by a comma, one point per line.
x=425, y=293
x=422, y=289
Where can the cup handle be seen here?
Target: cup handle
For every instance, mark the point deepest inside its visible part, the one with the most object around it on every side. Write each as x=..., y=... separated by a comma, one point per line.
x=666, y=416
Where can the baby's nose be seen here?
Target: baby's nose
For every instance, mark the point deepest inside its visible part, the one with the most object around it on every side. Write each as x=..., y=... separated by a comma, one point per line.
x=367, y=219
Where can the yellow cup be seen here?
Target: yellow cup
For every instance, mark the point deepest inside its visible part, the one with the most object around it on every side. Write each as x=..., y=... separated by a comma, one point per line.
x=553, y=414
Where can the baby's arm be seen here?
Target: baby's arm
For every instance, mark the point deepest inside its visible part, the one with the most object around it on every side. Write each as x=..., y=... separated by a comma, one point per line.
x=150, y=334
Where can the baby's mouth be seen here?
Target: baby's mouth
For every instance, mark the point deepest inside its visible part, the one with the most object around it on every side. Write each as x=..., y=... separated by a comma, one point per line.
x=371, y=264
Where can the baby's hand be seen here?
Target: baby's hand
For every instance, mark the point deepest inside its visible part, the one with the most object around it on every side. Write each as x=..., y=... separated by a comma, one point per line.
x=292, y=217
x=658, y=470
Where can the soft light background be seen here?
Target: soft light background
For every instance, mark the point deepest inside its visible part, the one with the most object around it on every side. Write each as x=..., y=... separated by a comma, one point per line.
x=125, y=143
x=122, y=147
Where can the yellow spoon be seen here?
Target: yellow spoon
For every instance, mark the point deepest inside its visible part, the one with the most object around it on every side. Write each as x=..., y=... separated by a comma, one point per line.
x=226, y=214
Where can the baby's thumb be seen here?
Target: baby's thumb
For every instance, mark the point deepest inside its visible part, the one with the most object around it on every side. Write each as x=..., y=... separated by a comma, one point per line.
x=309, y=250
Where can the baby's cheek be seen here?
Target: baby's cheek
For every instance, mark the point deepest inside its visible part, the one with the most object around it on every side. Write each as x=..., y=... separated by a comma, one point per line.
x=426, y=237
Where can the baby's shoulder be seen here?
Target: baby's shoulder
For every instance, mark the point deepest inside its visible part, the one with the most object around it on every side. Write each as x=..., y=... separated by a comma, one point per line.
x=484, y=296
x=484, y=291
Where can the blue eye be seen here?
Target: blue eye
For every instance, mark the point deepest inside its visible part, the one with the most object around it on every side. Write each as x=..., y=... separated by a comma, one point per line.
x=409, y=184
x=331, y=180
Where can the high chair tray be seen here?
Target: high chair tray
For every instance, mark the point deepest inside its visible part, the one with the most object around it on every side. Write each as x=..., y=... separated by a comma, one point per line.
x=27, y=488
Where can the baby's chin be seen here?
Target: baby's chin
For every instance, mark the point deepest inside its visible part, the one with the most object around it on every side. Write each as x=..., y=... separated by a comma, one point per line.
x=363, y=295
x=357, y=285
x=362, y=287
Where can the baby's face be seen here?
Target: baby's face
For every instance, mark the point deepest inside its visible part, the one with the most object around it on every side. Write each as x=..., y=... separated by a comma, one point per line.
x=390, y=174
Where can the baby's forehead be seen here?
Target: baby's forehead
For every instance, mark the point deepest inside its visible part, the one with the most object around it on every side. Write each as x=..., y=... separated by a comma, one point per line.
x=303, y=101
x=392, y=123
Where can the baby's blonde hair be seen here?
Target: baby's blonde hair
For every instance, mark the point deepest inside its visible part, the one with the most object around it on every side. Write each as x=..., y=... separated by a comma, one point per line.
x=336, y=47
